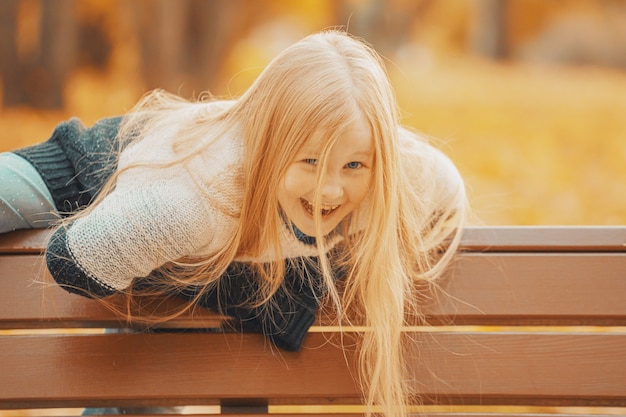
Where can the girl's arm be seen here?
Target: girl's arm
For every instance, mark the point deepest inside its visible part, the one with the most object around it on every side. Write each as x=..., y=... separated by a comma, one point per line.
x=132, y=231
x=285, y=319
x=433, y=178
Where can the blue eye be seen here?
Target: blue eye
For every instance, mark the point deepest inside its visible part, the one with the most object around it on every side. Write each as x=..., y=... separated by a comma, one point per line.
x=310, y=161
x=354, y=165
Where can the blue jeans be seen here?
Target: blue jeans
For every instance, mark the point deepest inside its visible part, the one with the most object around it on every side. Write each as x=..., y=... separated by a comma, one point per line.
x=25, y=202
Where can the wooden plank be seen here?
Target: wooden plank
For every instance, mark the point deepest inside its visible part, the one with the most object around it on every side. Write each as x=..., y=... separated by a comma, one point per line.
x=483, y=289
x=24, y=241
x=343, y=414
x=467, y=411
x=544, y=238
x=358, y=411
x=419, y=413
x=475, y=238
x=526, y=288
x=165, y=369
x=31, y=299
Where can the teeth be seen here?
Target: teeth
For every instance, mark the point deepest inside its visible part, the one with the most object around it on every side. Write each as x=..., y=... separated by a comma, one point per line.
x=326, y=210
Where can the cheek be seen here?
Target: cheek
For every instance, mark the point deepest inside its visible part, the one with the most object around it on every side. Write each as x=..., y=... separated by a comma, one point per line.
x=360, y=190
x=291, y=185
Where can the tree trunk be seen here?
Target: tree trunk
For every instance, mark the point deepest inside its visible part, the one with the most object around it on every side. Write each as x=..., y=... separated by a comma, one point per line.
x=58, y=53
x=9, y=65
x=488, y=35
x=184, y=43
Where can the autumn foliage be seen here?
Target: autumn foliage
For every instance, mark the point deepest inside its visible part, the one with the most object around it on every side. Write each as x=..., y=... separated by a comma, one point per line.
x=536, y=122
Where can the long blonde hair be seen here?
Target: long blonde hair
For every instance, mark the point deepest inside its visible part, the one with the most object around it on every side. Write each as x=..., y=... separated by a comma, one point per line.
x=404, y=235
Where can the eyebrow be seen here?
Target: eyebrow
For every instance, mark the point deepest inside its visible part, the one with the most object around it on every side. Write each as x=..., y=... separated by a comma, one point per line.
x=364, y=154
x=312, y=150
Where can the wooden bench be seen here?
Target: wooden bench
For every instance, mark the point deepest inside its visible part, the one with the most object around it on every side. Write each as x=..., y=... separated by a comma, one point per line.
x=533, y=323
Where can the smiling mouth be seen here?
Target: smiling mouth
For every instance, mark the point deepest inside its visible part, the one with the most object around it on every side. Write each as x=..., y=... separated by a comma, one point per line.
x=326, y=210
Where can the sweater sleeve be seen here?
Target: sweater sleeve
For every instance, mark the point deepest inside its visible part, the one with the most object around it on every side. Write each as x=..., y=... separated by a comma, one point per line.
x=75, y=161
x=285, y=318
x=434, y=178
x=131, y=232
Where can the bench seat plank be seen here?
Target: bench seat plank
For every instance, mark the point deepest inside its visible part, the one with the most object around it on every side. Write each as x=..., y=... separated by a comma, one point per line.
x=475, y=238
x=483, y=289
x=470, y=368
x=24, y=241
x=30, y=299
x=534, y=289
x=544, y=238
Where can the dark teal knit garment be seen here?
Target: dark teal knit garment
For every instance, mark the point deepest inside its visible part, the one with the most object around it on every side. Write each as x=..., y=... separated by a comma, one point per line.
x=76, y=161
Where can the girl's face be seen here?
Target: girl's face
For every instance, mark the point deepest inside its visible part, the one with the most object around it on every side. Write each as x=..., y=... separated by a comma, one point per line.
x=346, y=180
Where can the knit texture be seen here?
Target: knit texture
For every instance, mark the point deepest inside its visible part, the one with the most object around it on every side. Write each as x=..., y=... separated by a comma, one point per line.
x=67, y=274
x=75, y=161
x=158, y=215
x=285, y=319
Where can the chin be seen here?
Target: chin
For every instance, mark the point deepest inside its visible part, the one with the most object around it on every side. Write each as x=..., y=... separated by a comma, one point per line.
x=326, y=229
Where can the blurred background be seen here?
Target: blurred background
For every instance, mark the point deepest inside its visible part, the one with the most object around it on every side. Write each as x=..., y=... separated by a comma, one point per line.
x=528, y=97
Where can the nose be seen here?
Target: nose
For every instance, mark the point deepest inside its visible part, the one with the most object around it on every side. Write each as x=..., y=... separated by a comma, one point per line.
x=332, y=188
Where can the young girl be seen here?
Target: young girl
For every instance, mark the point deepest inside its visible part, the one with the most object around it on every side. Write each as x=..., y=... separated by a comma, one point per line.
x=304, y=190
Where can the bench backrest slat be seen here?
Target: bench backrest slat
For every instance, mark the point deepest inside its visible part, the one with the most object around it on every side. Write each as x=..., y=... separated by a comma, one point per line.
x=476, y=238
x=545, y=239
x=29, y=299
x=101, y=368
x=533, y=289
x=484, y=289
